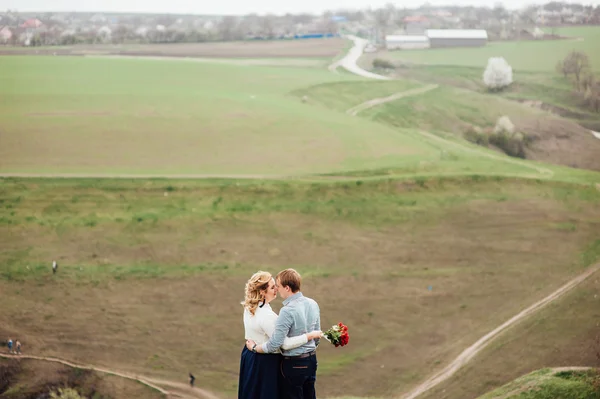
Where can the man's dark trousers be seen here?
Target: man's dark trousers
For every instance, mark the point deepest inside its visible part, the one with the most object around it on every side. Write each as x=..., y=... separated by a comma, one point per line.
x=298, y=377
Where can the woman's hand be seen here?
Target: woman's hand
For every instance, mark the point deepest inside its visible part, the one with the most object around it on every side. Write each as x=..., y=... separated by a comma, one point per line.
x=314, y=335
x=250, y=344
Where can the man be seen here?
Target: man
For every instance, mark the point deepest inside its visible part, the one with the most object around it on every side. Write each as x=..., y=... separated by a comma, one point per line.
x=298, y=316
x=10, y=345
x=18, y=345
x=192, y=379
x=54, y=267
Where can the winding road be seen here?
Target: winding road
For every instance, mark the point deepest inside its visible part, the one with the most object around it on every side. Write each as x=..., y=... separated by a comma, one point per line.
x=349, y=62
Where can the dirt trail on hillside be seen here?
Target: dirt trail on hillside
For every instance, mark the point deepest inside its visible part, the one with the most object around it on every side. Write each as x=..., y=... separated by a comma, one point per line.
x=179, y=390
x=482, y=343
x=378, y=101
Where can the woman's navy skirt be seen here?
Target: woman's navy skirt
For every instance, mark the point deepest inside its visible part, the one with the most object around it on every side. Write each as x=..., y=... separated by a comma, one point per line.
x=259, y=375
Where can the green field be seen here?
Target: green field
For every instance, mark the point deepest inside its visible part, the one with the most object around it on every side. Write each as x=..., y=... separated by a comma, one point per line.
x=522, y=55
x=115, y=116
x=82, y=115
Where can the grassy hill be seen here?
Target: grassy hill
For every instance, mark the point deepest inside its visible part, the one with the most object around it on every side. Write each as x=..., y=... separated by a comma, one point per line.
x=549, y=383
x=152, y=271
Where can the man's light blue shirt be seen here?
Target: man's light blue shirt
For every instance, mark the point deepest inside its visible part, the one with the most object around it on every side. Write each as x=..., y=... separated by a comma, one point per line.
x=299, y=315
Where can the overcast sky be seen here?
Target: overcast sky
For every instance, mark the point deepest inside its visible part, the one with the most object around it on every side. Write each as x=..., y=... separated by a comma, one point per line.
x=233, y=7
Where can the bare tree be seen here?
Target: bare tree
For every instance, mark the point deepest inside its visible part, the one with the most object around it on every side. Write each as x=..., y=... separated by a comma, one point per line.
x=399, y=17
x=577, y=62
x=383, y=17
x=228, y=28
x=267, y=26
x=588, y=81
x=562, y=67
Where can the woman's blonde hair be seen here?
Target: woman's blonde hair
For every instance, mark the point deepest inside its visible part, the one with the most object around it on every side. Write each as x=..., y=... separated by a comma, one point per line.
x=257, y=283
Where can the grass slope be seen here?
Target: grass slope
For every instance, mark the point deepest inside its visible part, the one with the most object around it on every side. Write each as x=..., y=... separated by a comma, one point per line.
x=150, y=283
x=549, y=384
x=26, y=378
x=521, y=55
x=454, y=110
x=552, y=89
x=564, y=334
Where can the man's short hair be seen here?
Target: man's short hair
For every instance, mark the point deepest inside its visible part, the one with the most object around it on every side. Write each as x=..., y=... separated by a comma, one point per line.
x=291, y=278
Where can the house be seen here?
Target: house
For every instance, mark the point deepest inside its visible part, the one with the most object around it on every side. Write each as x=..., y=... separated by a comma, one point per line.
x=456, y=37
x=32, y=23
x=406, y=42
x=5, y=34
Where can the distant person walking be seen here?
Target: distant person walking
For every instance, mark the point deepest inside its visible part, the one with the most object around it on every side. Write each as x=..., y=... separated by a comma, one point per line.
x=54, y=267
x=18, y=345
x=192, y=379
x=10, y=345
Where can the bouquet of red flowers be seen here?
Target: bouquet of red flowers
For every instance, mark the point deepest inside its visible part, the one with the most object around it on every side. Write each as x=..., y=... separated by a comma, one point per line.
x=337, y=335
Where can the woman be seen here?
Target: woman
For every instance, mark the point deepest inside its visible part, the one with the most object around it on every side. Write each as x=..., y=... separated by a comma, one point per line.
x=259, y=373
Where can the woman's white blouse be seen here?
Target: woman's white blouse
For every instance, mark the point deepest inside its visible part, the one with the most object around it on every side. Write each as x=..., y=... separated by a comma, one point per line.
x=260, y=327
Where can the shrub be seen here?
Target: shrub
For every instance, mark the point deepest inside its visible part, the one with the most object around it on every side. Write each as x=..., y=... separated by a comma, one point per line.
x=498, y=74
x=476, y=136
x=512, y=144
x=65, y=393
x=504, y=125
x=383, y=64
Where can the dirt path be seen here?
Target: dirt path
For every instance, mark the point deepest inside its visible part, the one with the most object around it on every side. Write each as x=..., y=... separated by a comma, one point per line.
x=483, y=342
x=179, y=389
x=378, y=101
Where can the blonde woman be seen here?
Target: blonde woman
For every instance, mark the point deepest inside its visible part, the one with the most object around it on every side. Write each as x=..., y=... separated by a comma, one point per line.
x=259, y=373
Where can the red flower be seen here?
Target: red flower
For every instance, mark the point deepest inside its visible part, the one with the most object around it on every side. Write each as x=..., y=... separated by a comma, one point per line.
x=338, y=335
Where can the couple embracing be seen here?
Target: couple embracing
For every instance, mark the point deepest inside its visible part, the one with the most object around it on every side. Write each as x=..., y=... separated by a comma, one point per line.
x=279, y=359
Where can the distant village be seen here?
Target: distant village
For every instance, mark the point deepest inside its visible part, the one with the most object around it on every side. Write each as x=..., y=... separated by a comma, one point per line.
x=388, y=26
